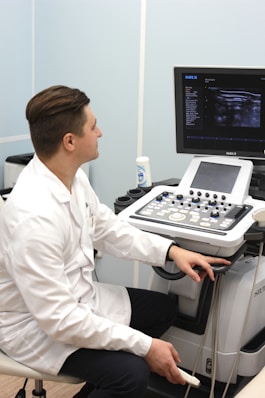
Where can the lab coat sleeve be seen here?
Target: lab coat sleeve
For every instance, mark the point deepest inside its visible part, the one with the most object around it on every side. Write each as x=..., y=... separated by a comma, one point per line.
x=121, y=239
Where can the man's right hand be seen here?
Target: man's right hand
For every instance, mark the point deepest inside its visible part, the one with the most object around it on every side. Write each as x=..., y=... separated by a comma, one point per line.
x=162, y=359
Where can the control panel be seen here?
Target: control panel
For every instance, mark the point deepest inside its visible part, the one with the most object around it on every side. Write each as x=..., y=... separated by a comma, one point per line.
x=209, y=211
x=203, y=212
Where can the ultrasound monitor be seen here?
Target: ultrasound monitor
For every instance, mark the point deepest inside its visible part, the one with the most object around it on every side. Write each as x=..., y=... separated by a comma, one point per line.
x=220, y=111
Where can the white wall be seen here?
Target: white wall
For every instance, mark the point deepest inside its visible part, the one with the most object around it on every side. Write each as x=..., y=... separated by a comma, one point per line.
x=95, y=45
x=15, y=77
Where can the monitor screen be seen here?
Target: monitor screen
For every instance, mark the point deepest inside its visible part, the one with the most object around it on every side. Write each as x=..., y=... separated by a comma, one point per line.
x=220, y=111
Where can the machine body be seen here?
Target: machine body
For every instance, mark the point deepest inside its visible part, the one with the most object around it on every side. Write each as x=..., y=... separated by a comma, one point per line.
x=221, y=331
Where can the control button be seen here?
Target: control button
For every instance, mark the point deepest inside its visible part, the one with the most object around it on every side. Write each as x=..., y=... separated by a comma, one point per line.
x=195, y=200
x=215, y=214
x=212, y=202
x=205, y=224
x=179, y=196
x=236, y=212
x=159, y=198
x=146, y=212
x=194, y=213
x=177, y=216
x=166, y=211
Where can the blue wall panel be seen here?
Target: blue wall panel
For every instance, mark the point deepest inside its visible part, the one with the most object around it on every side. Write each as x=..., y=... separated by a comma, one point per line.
x=95, y=45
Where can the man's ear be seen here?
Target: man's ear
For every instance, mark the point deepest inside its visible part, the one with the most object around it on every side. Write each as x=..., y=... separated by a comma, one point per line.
x=68, y=142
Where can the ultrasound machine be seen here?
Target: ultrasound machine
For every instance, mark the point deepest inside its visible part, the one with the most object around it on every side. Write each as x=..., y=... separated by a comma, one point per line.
x=218, y=209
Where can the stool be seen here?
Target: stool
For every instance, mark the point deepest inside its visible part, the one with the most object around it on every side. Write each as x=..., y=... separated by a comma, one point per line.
x=10, y=367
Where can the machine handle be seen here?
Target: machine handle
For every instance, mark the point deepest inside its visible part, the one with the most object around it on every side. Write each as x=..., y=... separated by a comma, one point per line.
x=217, y=268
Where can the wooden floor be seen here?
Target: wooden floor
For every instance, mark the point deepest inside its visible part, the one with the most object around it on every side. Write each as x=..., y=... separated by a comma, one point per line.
x=9, y=386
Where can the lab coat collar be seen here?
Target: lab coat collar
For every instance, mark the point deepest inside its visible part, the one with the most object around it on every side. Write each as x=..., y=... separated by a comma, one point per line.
x=53, y=183
x=57, y=188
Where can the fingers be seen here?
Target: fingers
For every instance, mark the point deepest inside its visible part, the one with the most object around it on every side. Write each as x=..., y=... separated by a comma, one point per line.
x=162, y=359
x=186, y=260
x=174, y=376
x=207, y=270
x=198, y=276
x=175, y=355
x=206, y=263
x=216, y=260
x=172, y=372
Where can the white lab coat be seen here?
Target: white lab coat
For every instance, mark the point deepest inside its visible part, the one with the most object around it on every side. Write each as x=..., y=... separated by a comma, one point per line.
x=49, y=304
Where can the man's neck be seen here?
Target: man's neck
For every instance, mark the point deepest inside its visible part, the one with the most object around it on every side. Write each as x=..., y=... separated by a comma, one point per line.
x=62, y=168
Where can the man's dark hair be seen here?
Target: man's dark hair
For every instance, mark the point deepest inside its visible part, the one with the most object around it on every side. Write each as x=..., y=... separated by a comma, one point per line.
x=52, y=113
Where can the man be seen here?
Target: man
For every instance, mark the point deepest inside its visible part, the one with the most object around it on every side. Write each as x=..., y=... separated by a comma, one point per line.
x=54, y=317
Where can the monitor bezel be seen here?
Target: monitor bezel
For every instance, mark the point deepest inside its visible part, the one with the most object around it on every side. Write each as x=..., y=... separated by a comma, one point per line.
x=181, y=147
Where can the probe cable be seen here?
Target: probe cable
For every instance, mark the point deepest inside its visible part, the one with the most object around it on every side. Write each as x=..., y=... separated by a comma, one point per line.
x=215, y=332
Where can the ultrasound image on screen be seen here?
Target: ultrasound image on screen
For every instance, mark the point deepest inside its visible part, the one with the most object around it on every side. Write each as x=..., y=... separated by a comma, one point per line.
x=220, y=111
x=235, y=107
x=215, y=177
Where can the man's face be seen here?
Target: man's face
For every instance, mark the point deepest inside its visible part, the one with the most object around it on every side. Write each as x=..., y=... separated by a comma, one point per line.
x=87, y=144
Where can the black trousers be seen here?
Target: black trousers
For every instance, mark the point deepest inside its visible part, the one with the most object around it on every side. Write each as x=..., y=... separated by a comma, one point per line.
x=119, y=373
